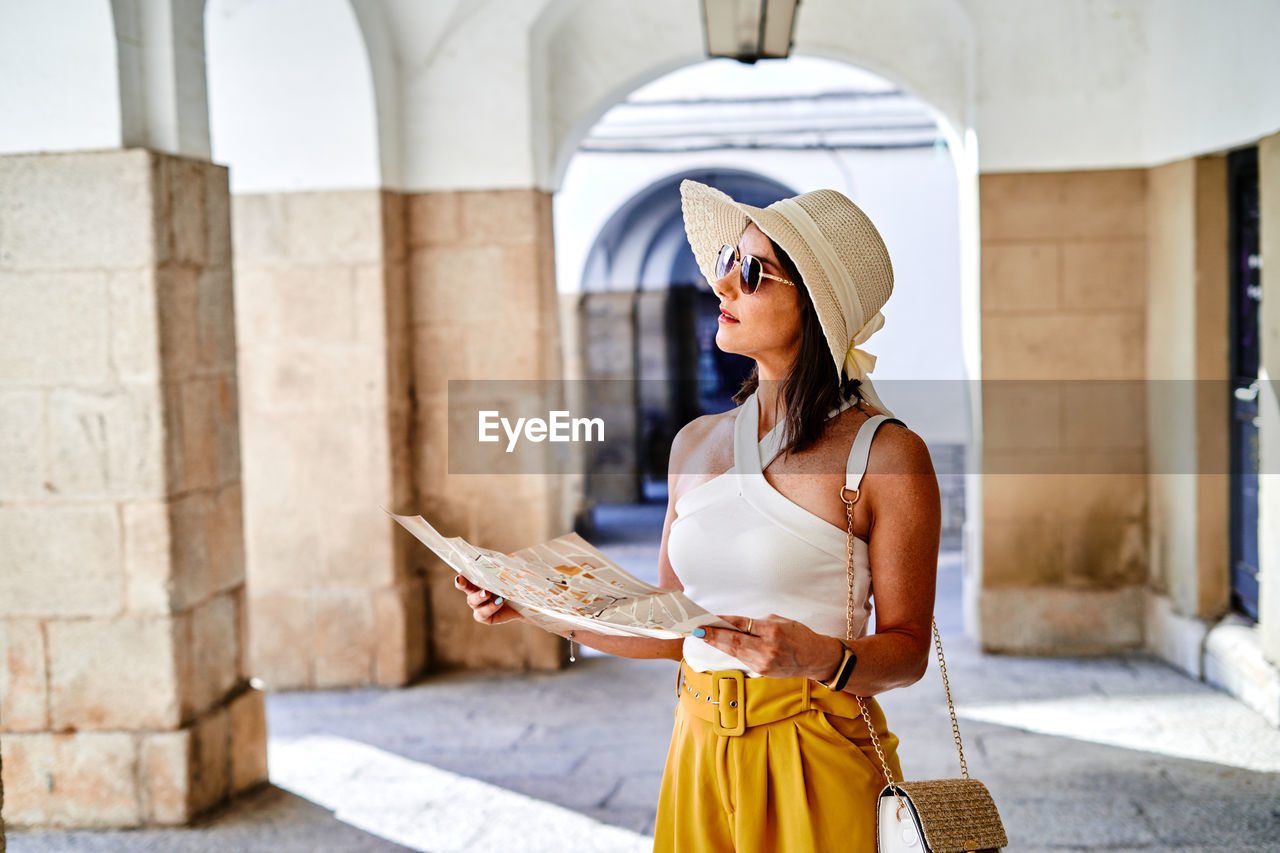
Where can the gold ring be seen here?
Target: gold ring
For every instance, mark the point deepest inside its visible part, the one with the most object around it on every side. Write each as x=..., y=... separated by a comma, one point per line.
x=750, y=624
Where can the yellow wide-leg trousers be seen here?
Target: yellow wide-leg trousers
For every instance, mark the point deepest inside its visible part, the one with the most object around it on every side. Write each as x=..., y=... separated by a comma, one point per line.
x=770, y=765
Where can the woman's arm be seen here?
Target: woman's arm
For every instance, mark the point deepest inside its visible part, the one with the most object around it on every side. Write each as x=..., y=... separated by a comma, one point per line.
x=906, y=515
x=491, y=611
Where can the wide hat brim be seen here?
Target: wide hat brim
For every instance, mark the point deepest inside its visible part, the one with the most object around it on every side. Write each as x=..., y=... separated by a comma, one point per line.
x=837, y=250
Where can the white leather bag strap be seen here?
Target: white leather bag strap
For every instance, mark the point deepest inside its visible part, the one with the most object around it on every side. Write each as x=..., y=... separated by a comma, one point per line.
x=861, y=450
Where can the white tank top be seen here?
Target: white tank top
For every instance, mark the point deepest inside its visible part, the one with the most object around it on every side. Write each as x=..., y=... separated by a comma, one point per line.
x=741, y=548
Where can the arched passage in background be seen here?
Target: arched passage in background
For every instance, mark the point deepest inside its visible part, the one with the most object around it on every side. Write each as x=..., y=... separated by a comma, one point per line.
x=646, y=321
x=925, y=47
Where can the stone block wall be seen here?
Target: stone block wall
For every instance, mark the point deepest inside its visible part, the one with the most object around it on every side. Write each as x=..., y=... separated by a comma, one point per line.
x=1064, y=261
x=483, y=305
x=124, y=697
x=324, y=359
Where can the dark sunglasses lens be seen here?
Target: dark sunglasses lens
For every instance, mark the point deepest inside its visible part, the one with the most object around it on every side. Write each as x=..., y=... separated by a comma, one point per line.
x=751, y=270
x=725, y=262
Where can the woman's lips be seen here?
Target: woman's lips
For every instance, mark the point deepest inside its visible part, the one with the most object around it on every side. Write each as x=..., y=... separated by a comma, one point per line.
x=726, y=317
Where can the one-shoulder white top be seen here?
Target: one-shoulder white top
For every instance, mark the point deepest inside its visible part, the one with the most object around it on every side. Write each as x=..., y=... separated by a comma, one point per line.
x=740, y=547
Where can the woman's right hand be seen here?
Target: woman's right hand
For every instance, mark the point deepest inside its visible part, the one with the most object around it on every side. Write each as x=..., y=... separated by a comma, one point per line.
x=487, y=608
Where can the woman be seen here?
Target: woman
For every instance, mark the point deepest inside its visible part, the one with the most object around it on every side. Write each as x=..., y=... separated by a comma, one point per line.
x=770, y=750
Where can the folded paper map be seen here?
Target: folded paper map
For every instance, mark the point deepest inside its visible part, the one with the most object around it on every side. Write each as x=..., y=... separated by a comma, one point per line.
x=568, y=584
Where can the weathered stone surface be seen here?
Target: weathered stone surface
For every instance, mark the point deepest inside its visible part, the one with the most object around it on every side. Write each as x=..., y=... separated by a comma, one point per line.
x=210, y=760
x=197, y=436
x=113, y=674
x=56, y=328
x=60, y=561
x=433, y=219
x=214, y=653
x=84, y=779
x=400, y=616
x=358, y=548
x=458, y=640
x=316, y=304
x=164, y=770
x=134, y=326
x=1057, y=621
x=117, y=302
x=1021, y=277
x=24, y=695
x=257, y=228
x=215, y=320
x=344, y=637
x=280, y=628
x=445, y=282
x=189, y=520
x=333, y=227
x=22, y=453
x=248, y=722
x=503, y=217
x=1024, y=553
x=1064, y=346
x=225, y=539
x=1102, y=204
x=147, y=566
x=176, y=303
x=1104, y=274
x=110, y=195
x=217, y=214
x=106, y=444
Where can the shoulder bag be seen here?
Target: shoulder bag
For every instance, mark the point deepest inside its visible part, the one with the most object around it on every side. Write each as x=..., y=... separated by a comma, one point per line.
x=935, y=816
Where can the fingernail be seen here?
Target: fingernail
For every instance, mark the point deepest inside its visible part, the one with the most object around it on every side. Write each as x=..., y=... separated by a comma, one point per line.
x=699, y=632
x=498, y=601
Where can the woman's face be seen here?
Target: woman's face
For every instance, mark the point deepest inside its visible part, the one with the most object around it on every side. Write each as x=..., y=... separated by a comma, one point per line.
x=764, y=325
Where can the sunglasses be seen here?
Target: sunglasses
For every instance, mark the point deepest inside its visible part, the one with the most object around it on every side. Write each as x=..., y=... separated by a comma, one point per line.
x=751, y=271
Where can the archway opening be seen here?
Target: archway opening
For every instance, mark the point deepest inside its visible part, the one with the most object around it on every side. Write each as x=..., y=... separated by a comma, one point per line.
x=631, y=292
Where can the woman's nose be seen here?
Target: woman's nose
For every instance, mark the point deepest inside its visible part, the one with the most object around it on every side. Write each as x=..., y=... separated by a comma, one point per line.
x=725, y=287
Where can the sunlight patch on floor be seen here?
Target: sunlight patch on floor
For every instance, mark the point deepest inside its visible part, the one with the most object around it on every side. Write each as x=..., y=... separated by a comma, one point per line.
x=1200, y=726
x=425, y=808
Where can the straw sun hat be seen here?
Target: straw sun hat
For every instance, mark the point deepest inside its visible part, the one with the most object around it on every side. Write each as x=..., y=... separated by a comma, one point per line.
x=833, y=244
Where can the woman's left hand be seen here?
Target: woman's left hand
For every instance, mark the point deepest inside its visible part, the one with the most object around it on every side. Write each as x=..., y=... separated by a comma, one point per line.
x=777, y=647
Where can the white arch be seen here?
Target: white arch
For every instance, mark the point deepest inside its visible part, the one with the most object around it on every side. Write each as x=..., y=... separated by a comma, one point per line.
x=59, y=85
x=291, y=107
x=587, y=56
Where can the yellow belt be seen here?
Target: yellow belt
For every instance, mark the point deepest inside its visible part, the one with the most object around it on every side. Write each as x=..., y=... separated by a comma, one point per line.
x=732, y=703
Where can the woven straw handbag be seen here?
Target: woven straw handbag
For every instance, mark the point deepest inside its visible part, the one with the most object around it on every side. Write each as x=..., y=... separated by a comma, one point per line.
x=935, y=816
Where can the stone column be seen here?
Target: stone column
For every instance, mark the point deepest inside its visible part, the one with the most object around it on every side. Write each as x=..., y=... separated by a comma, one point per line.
x=1063, y=294
x=1187, y=419
x=123, y=692
x=483, y=302
x=324, y=355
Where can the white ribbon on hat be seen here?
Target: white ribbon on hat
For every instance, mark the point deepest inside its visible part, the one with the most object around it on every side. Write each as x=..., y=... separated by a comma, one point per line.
x=858, y=362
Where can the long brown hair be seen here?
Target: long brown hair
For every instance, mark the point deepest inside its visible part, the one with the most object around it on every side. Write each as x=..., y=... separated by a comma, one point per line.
x=812, y=387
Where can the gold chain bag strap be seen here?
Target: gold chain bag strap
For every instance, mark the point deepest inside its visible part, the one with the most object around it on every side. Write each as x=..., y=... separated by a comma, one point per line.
x=935, y=816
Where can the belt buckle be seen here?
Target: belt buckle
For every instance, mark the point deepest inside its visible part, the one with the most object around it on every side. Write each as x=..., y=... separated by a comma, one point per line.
x=737, y=704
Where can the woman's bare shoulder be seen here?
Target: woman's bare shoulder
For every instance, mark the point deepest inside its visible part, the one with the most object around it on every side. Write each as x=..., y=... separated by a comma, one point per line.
x=703, y=442
x=896, y=448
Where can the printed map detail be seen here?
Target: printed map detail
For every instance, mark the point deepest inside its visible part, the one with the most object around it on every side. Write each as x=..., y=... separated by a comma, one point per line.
x=567, y=583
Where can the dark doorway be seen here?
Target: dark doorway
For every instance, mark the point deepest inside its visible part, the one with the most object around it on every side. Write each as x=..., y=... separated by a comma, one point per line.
x=1246, y=295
